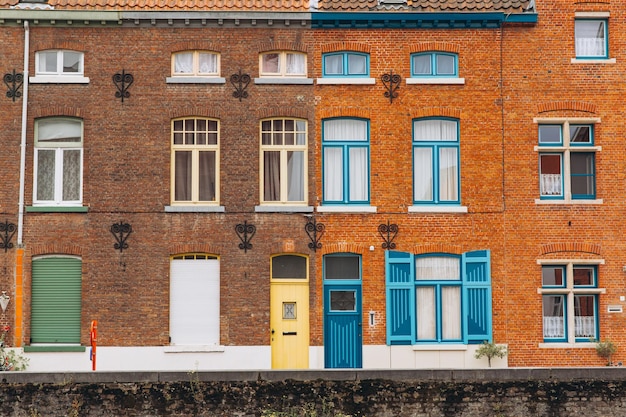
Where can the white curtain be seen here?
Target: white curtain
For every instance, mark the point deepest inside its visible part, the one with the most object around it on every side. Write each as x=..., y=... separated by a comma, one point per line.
x=551, y=184
x=358, y=174
x=271, y=63
x=590, y=38
x=183, y=63
x=448, y=174
x=437, y=268
x=451, y=313
x=296, y=63
x=345, y=130
x=357, y=64
x=422, y=65
x=553, y=316
x=45, y=174
x=59, y=130
x=71, y=174
x=423, y=174
x=333, y=174
x=445, y=64
x=207, y=63
x=333, y=64
x=295, y=176
x=435, y=131
x=426, y=313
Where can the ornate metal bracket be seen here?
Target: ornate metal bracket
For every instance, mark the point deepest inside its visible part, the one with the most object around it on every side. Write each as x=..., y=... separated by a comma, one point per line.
x=315, y=231
x=245, y=232
x=388, y=232
x=391, y=82
x=8, y=230
x=122, y=81
x=240, y=82
x=14, y=82
x=121, y=231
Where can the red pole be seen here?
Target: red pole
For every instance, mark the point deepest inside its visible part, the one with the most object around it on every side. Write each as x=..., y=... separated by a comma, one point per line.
x=93, y=334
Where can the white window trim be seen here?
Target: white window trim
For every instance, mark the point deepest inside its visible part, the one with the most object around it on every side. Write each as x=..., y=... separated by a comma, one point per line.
x=435, y=80
x=283, y=208
x=195, y=80
x=346, y=80
x=598, y=15
x=195, y=53
x=189, y=208
x=437, y=209
x=346, y=208
x=282, y=74
x=593, y=61
x=567, y=290
x=58, y=79
x=283, y=80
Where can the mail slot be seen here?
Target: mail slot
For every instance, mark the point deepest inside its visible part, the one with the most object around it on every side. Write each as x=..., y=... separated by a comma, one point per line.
x=290, y=333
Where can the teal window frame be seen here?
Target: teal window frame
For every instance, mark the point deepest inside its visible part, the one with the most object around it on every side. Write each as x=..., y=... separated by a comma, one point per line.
x=345, y=146
x=436, y=146
x=605, y=34
x=435, y=70
x=346, y=70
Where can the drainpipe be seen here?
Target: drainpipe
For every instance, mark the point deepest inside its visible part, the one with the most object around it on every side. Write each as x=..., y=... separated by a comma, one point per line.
x=20, y=213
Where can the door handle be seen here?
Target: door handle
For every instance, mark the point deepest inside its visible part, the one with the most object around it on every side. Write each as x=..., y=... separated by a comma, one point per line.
x=273, y=331
x=290, y=333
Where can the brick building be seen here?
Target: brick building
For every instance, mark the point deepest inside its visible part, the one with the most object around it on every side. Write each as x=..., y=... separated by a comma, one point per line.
x=377, y=184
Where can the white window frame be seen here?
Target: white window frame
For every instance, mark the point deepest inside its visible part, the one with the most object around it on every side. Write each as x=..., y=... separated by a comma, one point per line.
x=597, y=16
x=195, y=150
x=195, y=76
x=569, y=291
x=59, y=148
x=282, y=62
x=565, y=149
x=59, y=76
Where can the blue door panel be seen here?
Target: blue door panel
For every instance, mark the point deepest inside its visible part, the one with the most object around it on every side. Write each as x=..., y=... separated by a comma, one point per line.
x=343, y=336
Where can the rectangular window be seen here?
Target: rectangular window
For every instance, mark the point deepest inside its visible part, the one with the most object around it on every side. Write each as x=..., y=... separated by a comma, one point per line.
x=567, y=161
x=59, y=63
x=436, y=161
x=58, y=162
x=570, y=303
x=283, y=161
x=434, y=64
x=195, y=64
x=591, y=38
x=195, y=161
x=345, y=64
x=345, y=150
x=283, y=64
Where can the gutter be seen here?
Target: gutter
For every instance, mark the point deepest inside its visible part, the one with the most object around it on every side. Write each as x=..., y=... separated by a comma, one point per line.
x=20, y=218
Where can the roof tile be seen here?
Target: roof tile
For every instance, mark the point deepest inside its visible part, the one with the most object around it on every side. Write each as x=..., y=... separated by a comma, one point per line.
x=176, y=5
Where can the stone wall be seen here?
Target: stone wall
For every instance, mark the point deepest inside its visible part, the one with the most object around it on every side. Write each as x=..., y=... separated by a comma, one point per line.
x=473, y=393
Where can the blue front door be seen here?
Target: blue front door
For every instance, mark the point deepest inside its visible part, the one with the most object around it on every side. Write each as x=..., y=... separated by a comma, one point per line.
x=343, y=335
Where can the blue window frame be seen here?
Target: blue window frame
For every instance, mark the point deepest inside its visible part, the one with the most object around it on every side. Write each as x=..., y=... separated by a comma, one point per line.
x=436, y=161
x=346, y=64
x=434, y=64
x=591, y=37
x=567, y=161
x=345, y=150
x=564, y=302
x=438, y=298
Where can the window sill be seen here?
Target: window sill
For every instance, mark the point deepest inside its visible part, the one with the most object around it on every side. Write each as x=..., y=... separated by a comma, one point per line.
x=54, y=348
x=58, y=79
x=195, y=80
x=346, y=80
x=194, y=209
x=565, y=345
x=283, y=209
x=57, y=209
x=346, y=209
x=435, y=80
x=437, y=209
x=568, y=202
x=281, y=80
x=448, y=347
x=594, y=60
x=193, y=348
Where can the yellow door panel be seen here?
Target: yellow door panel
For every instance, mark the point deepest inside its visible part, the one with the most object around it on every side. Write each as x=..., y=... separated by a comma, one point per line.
x=289, y=325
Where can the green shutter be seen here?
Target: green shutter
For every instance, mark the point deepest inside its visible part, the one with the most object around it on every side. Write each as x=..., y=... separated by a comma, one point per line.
x=56, y=300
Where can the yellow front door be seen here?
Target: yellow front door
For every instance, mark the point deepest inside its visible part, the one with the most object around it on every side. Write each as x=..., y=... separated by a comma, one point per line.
x=289, y=323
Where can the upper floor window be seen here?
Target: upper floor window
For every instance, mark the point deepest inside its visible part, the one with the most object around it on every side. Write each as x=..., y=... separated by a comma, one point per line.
x=283, y=64
x=567, y=161
x=434, y=64
x=195, y=64
x=345, y=152
x=59, y=63
x=58, y=164
x=591, y=38
x=283, y=161
x=195, y=161
x=346, y=64
x=436, y=161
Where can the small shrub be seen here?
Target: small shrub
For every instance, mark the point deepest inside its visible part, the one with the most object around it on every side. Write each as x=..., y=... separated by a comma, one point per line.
x=10, y=359
x=606, y=349
x=490, y=350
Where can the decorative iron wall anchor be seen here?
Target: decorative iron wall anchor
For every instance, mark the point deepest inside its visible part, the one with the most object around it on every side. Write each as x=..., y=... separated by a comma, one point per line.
x=388, y=232
x=122, y=81
x=315, y=231
x=391, y=82
x=121, y=231
x=245, y=232
x=240, y=82
x=14, y=82
x=8, y=230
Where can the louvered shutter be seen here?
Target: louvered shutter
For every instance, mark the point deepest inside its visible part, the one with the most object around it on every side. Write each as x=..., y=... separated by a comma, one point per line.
x=400, y=276
x=477, y=297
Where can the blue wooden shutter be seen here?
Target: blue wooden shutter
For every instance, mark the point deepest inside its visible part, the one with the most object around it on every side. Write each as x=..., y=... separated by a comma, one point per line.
x=476, y=297
x=400, y=287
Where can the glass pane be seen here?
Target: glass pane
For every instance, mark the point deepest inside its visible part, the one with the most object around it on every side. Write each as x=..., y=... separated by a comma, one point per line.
x=207, y=63
x=580, y=134
x=295, y=176
x=59, y=130
x=422, y=174
x=448, y=174
x=289, y=267
x=182, y=176
x=358, y=175
x=549, y=134
x=584, y=316
x=45, y=174
x=583, y=181
x=590, y=38
x=445, y=65
x=553, y=317
x=333, y=174
x=296, y=64
x=271, y=176
x=451, y=313
x=435, y=130
x=342, y=300
x=550, y=174
x=584, y=276
x=342, y=267
x=552, y=276
x=71, y=62
x=206, y=173
x=345, y=130
x=71, y=175
x=48, y=61
x=422, y=65
x=437, y=268
x=289, y=311
x=333, y=64
x=183, y=63
x=270, y=63
x=426, y=313
x=357, y=64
